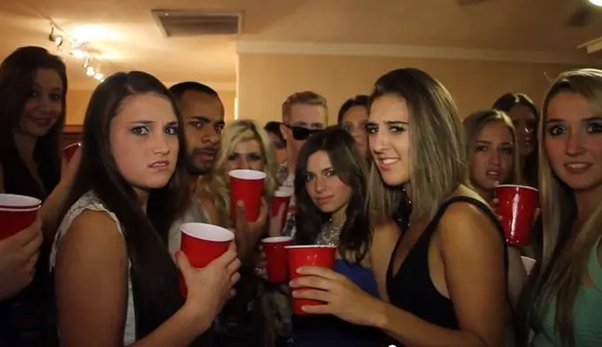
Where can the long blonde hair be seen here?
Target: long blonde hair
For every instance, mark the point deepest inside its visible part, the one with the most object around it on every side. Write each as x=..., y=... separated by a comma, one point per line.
x=438, y=165
x=563, y=262
x=219, y=184
x=474, y=124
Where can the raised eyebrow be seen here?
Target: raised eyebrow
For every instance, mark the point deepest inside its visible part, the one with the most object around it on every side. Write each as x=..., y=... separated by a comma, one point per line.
x=200, y=119
x=396, y=123
x=142, y=122
x=554, y=120
x=593, y=119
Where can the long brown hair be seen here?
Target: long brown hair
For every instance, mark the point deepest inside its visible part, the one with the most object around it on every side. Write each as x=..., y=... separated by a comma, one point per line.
x=17, y=74
x=153, y=273
x=562, y=264
x=436, y=145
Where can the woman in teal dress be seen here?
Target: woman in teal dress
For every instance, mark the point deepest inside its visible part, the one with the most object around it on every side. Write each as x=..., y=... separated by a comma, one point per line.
x=562, y=302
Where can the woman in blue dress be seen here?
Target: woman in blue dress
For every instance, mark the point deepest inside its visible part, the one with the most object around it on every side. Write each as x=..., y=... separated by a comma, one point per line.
x=330, y=186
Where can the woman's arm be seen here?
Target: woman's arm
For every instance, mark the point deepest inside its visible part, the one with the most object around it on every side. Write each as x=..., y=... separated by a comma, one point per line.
x=91, y=277
x=54, y=202
x=473, y=260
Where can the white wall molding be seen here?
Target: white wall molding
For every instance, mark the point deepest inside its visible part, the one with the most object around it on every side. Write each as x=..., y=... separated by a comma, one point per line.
x=402, y=51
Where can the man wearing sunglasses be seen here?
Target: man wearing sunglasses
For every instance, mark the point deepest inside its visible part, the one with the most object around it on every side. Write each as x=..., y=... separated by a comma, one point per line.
x=303, y=114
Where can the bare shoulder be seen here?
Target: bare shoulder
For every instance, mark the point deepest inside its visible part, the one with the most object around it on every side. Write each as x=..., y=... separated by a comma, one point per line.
x=91, y=221
x=464, y=224
x=92, y=258
x=94, y=233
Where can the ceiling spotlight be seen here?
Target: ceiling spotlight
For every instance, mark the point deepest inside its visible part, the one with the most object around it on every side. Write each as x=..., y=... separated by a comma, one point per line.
x=596, y=2
x=87, y=62
x=90, y=71
x=56, y=38
x=78, y=53
x=99, y=76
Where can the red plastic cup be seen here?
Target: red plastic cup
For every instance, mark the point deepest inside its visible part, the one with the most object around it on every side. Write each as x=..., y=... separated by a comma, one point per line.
x=246, y=186
x=276, y=257
x=203, y=243
x=282, y=197
x=70, y=150
x=311, y=255
x=18, y=202
x=14, y=220
x=528, y=263
x=517, y=206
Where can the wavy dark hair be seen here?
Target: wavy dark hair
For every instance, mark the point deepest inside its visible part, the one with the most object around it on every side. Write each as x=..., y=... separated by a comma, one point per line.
x=358, y=100
x=350, y=166
x=153, y=273
x=17, y=74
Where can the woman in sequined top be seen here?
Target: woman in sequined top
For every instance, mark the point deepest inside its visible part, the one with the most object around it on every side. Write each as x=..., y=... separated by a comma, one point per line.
x=330, y=182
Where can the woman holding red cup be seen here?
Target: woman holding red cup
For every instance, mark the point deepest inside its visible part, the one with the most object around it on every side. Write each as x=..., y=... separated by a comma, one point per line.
x=331, y=222
x=241, y=182
x=492, y=150
x=33, y=89
x=115, y=280
x=562, y=301
x=449, y=235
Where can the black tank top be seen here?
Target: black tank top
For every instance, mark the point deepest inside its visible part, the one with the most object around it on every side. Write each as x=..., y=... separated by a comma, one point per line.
x=412, y=289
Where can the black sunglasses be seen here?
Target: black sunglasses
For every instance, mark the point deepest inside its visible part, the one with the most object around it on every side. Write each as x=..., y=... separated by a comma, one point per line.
x=301, y=133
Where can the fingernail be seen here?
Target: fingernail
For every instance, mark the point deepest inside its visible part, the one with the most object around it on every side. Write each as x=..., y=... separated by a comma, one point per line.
x=300, y=270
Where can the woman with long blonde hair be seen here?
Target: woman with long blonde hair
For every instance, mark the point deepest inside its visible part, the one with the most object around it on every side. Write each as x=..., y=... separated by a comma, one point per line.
x=563, y=299
x=492, y=151
x=244, y=145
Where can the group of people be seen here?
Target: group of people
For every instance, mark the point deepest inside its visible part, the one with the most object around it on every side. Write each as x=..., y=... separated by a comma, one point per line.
x=402, y=185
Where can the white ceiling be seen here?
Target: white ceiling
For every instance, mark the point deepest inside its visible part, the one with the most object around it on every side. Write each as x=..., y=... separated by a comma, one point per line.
x=130, y=39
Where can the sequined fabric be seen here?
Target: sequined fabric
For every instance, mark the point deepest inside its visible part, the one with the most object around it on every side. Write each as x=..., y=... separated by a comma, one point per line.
x=329, y=236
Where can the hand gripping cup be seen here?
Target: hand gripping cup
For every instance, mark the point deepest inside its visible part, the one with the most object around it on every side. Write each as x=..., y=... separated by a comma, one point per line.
x=311, y=255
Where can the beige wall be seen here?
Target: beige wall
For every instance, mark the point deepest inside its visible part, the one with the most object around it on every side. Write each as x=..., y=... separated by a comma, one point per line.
x=266, y=80
x=77, y=102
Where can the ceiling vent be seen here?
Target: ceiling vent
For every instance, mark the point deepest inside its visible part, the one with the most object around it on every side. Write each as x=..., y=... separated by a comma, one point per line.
x=183, y=23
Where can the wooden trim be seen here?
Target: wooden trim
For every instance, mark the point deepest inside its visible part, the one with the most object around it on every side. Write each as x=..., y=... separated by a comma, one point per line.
x=73, y=129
